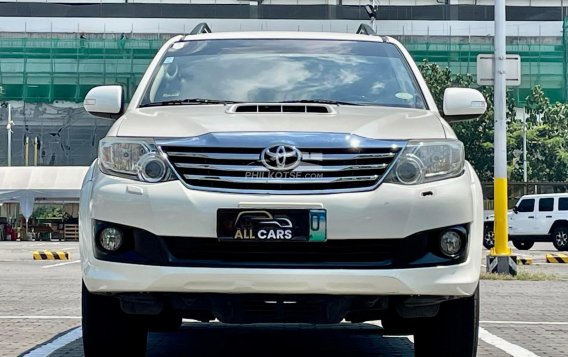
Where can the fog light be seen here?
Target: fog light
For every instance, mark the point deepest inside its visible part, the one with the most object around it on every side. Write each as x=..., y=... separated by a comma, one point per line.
x=111, y=239
x=450, y=243
x=151, y=168
x=409, y=170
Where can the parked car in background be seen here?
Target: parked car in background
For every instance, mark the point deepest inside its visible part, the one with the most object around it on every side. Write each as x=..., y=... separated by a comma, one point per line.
x=488, y=231
x=535, y=218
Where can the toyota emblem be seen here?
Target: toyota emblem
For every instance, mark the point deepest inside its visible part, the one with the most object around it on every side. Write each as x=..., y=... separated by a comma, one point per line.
x=281, y=157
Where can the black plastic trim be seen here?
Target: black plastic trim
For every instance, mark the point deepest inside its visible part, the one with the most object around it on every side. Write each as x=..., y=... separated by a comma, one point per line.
x=415, y=251
x=201, y=28
x=527, y=238
x=253, y=308
x=365, y=29
x=456, y=118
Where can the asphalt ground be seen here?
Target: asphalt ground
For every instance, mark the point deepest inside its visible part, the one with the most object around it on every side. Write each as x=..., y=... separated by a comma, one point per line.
x=40, y=316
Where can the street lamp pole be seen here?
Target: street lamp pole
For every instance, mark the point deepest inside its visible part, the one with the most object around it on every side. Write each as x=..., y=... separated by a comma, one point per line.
x=9, y=129
x=525, y=149
x=374, y=18
x=500, y=259
x=372, y=11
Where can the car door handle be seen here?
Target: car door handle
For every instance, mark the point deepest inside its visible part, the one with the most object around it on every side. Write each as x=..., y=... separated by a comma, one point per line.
x=531, y=216
x=548, y=216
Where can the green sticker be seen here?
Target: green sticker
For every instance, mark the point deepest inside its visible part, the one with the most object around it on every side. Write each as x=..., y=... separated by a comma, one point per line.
x=318, y=225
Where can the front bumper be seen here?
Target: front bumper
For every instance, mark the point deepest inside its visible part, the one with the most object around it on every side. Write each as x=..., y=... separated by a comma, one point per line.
x=460, y=280
x=419, y=250
x=390, y=212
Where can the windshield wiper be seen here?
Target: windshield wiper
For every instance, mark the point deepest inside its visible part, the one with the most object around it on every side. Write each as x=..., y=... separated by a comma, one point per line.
x=320, y=101
x=187, y=101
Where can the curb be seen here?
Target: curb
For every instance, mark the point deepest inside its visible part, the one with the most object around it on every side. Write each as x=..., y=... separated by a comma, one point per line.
x=50, y=255
x=525, y=260
x=557, y=258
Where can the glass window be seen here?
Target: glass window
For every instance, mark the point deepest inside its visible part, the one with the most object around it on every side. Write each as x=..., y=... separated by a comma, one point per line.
x=285, y=70
x=563, y=204
x=546, y=204
x=526, y=205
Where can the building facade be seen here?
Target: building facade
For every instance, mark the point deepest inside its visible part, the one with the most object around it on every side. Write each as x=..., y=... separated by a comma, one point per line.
x=53, y=52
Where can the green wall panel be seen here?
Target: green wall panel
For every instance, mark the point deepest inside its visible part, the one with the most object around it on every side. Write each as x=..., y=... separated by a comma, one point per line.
x=47, y=70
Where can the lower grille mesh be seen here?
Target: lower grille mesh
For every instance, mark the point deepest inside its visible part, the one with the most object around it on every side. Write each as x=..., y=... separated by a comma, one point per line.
x=293, y=254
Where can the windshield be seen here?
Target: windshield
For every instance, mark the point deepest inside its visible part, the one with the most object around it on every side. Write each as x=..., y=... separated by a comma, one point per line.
x=282, y=70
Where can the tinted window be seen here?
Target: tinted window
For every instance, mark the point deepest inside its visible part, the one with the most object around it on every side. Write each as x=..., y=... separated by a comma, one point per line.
x=278, y=70
x=563, y=204
x=526, y=205
x=546, y=204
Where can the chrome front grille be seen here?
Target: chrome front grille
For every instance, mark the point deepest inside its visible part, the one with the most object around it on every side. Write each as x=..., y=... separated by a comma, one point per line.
x=329, y=162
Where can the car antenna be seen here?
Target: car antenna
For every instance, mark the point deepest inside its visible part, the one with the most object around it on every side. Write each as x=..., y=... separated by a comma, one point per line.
x=201, y=28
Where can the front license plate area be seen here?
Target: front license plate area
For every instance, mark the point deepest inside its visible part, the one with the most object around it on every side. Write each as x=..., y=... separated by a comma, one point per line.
x=276, y=225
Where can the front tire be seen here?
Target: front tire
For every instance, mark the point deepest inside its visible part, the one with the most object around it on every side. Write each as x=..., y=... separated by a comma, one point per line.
x=107, y=330
x=523, y=245
x=560, y=238
x=453, y=332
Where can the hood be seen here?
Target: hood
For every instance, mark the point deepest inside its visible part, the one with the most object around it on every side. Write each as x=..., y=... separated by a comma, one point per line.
x=371, y=122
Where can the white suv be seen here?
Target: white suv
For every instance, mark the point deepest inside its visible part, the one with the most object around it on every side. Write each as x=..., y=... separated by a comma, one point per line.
x=536, y=218
x=281, y=177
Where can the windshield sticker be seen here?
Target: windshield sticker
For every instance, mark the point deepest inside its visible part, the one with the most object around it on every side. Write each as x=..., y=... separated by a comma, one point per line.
x=168, y=60
x=404, y=96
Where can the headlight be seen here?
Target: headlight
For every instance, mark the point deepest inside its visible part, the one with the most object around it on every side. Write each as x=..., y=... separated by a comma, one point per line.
x=427, y=161
x=137, y=159
x=152, y=168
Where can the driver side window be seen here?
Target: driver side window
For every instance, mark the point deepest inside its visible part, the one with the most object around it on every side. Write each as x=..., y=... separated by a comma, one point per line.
x=526, y=205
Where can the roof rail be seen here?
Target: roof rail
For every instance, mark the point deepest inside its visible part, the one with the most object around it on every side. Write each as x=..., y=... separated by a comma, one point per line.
x=365, y=29
x=201, y=28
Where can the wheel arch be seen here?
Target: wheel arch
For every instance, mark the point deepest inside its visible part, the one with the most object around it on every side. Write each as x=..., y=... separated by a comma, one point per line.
x=558, y=223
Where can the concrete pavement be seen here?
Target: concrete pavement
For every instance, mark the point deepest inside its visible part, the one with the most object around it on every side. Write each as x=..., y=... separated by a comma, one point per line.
x=41, y=299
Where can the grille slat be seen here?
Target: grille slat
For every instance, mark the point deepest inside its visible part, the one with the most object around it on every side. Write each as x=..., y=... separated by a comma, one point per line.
x=215, y=155
x=305, y=157
x=288, y=181
x=329, y=162
x=251, y=168
x=338, y=157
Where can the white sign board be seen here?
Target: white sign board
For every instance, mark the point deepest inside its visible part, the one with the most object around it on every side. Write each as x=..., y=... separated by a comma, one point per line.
x=485, y=75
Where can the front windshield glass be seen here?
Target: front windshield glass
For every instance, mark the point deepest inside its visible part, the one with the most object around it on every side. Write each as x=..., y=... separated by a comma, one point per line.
x=282, y=70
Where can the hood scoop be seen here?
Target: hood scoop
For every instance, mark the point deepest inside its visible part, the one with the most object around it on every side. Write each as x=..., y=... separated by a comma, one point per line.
x=278, y=108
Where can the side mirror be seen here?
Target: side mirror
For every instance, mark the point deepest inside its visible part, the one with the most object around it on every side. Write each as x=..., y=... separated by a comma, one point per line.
x=105, y=101
x=515, y=210
x=463, y=104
